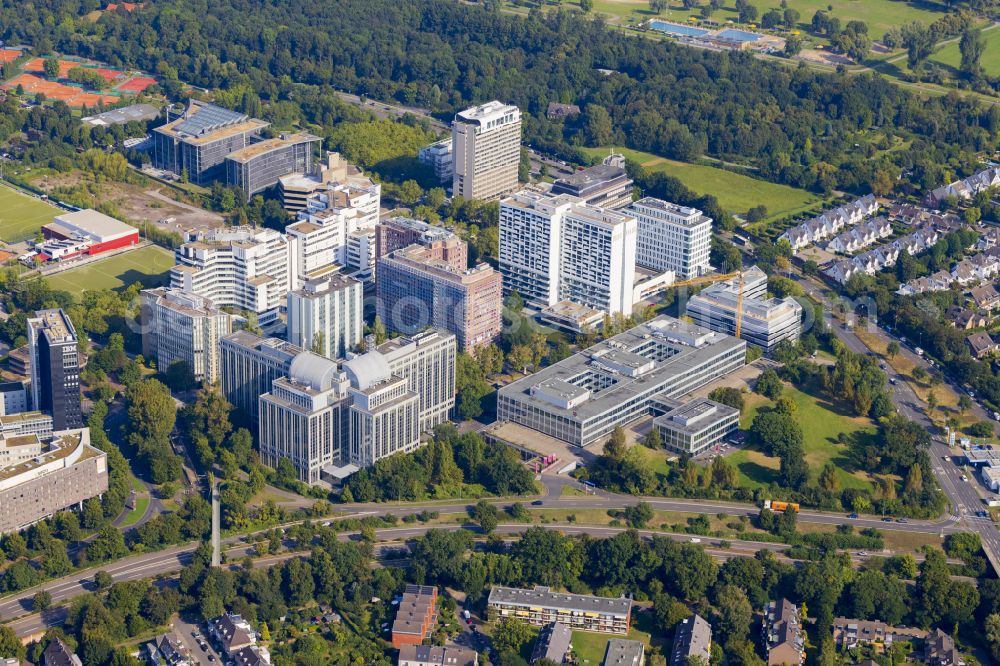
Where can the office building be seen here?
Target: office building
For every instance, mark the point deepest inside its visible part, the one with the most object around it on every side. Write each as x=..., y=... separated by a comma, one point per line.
x=59, y=654
x=555, y=248
x=486, y=151
x=621, y=652
x=427, y=362
x=181, y=326
x=432, y=655
x=554, y=643
x=296, y=188
x=55, y=368
x=40, y=476
x=672, y=238
x=384, y=416
x=541, y=606
x=321, y=238
x=196, y=143
x=13, y=398
x=438, y=157
x=397, y=233
x=692, y=639
x=249, y=364
x=300, y=418
x=783, y=635
x=246, y=268
x=606, y=185
x=418, y=287
x=693, y=427
x=84, y=232
x=26, y=423
x=261, y=165
x=765, y=321
x=326, y=315
x=416, y=616
x=583, y=398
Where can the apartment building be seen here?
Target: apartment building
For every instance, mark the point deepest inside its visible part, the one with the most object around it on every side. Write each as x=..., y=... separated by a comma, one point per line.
x=238, y=267
x=765, y=321
x=181, y=326
x=432, y=655
x=261, y=165
x=59, y=654
x=554, y=643
x=621, y=652
x=249, y=364
x=325, y=231
x=196, y=143
x=55, y=368
x=692, y=638
x=397, y=233
x=672, y=237
x=416, y=616
x=418, y=287
x=553, y=248
x=606, y=185
x=783, y=635
x=583, y=398
x=326, y=315
x=486, y=151
x=541, y=606
x=300, y=417
x=693, y=427
x=438, y=156
x=40, y=476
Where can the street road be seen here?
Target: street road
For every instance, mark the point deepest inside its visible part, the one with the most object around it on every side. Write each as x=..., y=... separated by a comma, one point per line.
x=962, y=495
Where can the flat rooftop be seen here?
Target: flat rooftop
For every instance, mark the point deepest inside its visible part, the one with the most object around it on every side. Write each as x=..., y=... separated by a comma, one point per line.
x=203, y=123
x=694, y=416
x=590, y=179
x=615, y=371
x=126, y=114
x=270, y=145
x=545, y=598
x=55, y=325
x=485, y=112
x=688, y=216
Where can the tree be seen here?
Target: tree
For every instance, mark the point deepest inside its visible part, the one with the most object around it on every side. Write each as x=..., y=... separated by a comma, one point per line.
x=658, y=6
x=775, y=431
x=597, y=126
x=519, y=358
x=892, y=349
x=378, y=330
x=486, y=515
x=511, y=635
x=638, y=515
x=41, y=602
x=586, y=6
x=10, y=644
x=728, y=395
x=103, y=580
x=992, y=630
x=919, y=41
x=971, y=46
x=51, y=68
x=615, y=446
x=794, y=471
x=828, y=480
x=653, y=440
x=769, y=384
x=735, y=614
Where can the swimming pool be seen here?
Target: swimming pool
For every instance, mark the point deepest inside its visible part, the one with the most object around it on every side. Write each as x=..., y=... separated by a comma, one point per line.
x=675, y=29
x=733, y=35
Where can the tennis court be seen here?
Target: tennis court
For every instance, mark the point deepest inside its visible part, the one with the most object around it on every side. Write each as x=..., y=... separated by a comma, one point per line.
x=148, y=265
x=21, y=216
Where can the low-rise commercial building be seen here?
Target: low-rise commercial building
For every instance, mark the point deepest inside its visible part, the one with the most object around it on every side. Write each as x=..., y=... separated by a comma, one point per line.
x=418, y=287
x=261, y=165
x=26, y=423
x=765, y=322
x=693, y=427
x=181, y=326
x=84, y=232
x=541, y=606
x=415, y=615
x=63, y=472
x=692, y=639
x=621, y=652
x=583, y=398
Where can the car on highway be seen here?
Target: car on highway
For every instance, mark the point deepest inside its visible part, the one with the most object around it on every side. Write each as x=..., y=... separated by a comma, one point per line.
x=887, y=519
x=537, y=503
x=852, y=516
x=965, y=478
x=981, y=514
x=902, y=520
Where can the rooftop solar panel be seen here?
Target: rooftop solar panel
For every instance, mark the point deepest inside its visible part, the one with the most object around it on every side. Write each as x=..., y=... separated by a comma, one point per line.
x=208, y=118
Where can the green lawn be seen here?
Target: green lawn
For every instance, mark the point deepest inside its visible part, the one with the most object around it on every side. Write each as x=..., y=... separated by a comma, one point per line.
x=951, y=56
x=21, y=216
x=589, y=648
x=821, y=423
x=148, y=265
x=736, y=193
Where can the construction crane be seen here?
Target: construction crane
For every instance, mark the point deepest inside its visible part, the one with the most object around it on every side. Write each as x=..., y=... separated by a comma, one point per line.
x=712, y=279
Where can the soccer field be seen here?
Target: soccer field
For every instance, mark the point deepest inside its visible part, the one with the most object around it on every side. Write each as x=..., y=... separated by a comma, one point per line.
x=147, y=265
x=21, y=216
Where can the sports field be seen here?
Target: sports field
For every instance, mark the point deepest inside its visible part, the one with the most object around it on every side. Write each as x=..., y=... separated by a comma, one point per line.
x=736, y=193
x=148, y=265
x=21, y=216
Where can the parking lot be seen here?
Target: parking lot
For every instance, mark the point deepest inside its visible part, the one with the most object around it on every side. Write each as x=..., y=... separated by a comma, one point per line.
x=193, y=637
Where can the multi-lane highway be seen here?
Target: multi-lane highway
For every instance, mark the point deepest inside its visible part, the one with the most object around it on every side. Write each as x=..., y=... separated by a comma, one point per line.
x=965, y=501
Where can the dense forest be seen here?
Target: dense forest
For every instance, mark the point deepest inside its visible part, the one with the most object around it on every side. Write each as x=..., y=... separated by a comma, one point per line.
x=794, y=124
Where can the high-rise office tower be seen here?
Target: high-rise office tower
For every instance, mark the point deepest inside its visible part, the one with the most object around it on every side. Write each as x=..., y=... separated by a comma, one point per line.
x=55, y=368
x=180, y=326
x=248, y=364
x=672, y=238
x=326, y=315
x=486, y=151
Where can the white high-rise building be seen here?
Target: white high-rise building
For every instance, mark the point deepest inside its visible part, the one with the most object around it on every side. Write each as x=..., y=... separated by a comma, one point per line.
x=181, y=326
x=239, y=267
x=325, y=237
x=384, y=416
x=427, y=362
x=672, y=238
x=598, y=258
x=486, y=151
x=326, y=315
x=301, y=417
x=556, y=248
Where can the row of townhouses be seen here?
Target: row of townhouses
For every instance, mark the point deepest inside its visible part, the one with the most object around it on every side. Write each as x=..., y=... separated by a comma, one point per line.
x=861, y=236
x=823, y=226
x=884, y=256
x=967, y=187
